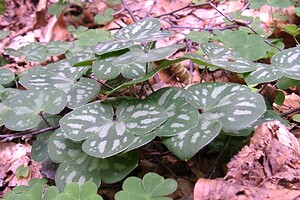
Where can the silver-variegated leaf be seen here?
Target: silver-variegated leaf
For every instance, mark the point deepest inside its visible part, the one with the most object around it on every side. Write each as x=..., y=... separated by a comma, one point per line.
x=34, y=52
x=182, y=115
x=39, y=149
x=79, y=167
x=108, y=133
x=6, y=76
x=57, y=47
x=4, y=110
x=106, y=70
x=141, y=140
x=111, y=46
x=187, y=143
x=235, y=106
x=288, y=61
x=226, y=59
x=143, y=31
x=27, y=106
x=64, y=76
x=263, y=74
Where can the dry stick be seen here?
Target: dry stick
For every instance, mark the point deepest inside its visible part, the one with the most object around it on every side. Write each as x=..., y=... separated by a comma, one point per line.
x=44, y=119
x=26, y=134
x=242, y=24
x=290, y=112
x=126, y=7
x=150, y=10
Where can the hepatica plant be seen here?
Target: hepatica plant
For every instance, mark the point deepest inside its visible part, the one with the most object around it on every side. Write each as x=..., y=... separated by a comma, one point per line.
x=95, y=140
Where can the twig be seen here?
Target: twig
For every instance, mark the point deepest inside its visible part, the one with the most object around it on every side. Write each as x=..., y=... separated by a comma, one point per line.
x=44, y=119
x=150, y=10
x=126, y=7
x=290, y=112
x=26, y=134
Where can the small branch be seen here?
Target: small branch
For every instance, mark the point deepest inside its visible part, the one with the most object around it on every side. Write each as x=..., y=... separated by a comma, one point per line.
x=44, y=119
x=126, y=7
x=26, y=134
x=150, y=10
x=290, y=112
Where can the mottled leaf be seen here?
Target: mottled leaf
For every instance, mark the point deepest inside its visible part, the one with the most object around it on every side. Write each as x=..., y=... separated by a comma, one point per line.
x=143, y=31
x=235, y=106
x=28, y=105
x=6, y=76
x=182, y=115
x=187, y=143
x=226, y=59
x=111, y=46
x=288, y=61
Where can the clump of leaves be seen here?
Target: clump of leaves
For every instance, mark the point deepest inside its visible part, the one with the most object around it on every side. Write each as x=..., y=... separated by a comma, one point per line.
x=38, y=189
x=152, y=187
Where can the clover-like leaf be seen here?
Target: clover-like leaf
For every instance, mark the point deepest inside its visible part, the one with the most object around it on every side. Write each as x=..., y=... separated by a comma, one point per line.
x=275, y=3
x=108, y=133
x=28, y=105
x=226, y=59
x=39, y=149
x=105, y=18
x=6, y=76
x=143, y=31
x=64, y=76
x=152, y=187
x=263, y=74
x=250, y=46
x=141, y=140
x=34, y=52
x=187, y=143
x=235, y=106
x=77, y=166
x=92, y=37
x=57, y=47
x=80, y=192
x=288, y=61
x=182, y=115
x=111, y=46
x=105, y=69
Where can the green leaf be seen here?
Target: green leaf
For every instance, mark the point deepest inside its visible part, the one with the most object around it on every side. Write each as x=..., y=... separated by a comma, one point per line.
x=275, y=3
x=108, y=133
x=187, y=143
x=57, y=8
x=22, y=171
x=77, y=166
x=292, y=29
x=4, y=112
x=296, y=118
x=199, y=37
x=92, y=37
x=235, y=106
x=297, y=11
x=280, y=97
x=250, y=46
x=6, y=76
x=105, y=18
x=288, y=61
x=57, y=47
x=227, y=59
x=285, y=83
x=74, y=191
x=145, y=30
x=263, y=74
x=3, y=34
x=153, y=186
x=27, y=106
x=62, y=75
x=113, y=2
x=39, y=149
x=182, y=115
